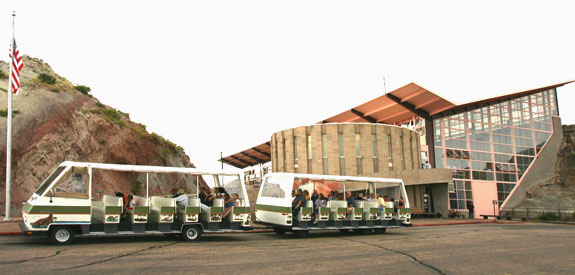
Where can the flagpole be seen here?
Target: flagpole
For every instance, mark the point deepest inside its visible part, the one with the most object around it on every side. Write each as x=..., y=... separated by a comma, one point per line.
x=9, y=128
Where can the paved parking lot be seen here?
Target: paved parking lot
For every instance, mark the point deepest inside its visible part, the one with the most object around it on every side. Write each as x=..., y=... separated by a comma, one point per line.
x=457, y=249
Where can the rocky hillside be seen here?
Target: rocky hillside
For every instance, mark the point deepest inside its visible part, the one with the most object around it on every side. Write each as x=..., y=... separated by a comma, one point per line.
x=54, y=120
x=559, y=192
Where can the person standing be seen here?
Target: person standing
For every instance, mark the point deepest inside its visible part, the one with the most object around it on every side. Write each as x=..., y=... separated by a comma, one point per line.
x=471, y=209
x=297, y=203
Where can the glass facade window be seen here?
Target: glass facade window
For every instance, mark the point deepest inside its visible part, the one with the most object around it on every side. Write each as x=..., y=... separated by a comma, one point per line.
x=324, y=153
x=389, y=159
x=374, y=153
x=309, y=154
x=295, y=164
x=358, y=153
x=495, y=143
x=503, y=190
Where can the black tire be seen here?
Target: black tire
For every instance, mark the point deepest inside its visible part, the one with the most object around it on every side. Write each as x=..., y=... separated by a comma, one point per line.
x=362, y=231
x=344, y=231
x=191, y=233
x=379, y=230
x=301, y=233
x=61, y=235
x=279, y=231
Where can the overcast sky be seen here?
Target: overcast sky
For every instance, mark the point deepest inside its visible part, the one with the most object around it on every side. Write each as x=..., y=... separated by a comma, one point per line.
x=224, y=75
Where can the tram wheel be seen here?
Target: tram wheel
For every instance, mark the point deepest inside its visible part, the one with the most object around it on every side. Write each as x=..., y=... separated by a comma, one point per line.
x=379, y=230
x=279, y=231
x=301, y=233
x=345, y=231
x=61, y=235
x=191, y=233
x=362, y=231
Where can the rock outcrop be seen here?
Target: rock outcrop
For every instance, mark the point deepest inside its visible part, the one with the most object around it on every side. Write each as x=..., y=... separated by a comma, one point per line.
x=53, y=122
x=559, y=191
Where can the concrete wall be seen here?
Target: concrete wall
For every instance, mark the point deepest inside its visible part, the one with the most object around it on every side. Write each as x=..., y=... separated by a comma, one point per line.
x=440, y=198
x=540, y=170
x=404, y=155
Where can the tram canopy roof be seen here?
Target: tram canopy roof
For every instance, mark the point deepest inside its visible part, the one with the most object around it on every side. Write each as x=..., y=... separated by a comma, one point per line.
x=396, y=107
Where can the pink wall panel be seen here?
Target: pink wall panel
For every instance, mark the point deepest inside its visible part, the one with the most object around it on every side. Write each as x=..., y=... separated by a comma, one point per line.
x=484, y=193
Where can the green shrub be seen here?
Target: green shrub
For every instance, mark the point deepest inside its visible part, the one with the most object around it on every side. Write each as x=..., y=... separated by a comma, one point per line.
x=102, y=141
x=161, y=140
x=95, y=111
x=4, y=90
x=100, y=105
x=3, y=112
x=548, y=217
x=83, y=89
x=54, y=90
x=165, y=152
x=113, y=116
x=3, y=75
x=46, y=78
x=136, y=187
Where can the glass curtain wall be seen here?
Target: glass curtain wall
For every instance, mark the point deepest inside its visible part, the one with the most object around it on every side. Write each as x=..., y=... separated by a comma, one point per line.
x=495, y=143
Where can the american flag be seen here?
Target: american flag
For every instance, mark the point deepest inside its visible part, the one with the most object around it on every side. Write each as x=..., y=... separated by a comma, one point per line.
x=17, y=65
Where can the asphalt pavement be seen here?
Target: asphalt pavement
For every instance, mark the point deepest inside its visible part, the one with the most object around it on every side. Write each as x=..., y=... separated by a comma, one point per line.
x=517, y=248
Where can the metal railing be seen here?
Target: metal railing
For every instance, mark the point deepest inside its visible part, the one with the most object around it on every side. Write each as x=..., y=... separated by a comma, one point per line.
x=536, y=212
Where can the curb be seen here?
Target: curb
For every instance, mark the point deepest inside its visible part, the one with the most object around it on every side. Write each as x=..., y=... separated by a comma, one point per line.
x=11, y=233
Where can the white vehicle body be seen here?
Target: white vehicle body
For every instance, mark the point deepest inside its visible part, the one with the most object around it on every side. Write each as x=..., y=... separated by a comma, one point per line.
x=64, y=199
x=274, y=203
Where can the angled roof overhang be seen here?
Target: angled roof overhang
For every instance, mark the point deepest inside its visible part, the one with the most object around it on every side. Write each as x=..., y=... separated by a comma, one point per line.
x=250, y=157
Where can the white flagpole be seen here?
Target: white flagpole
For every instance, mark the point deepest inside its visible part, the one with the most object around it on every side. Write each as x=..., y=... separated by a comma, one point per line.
x=9, y=128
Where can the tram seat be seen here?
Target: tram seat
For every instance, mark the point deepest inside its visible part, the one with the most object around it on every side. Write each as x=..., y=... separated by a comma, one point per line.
x=357, y=211
x=108, y=210
x=215, y=212
x=337, y=210
x=239, y=213
x=370, y=209
x=306, y=211
x=191, y=212
x=162, y=210
x=141, y=210
x=388, y=211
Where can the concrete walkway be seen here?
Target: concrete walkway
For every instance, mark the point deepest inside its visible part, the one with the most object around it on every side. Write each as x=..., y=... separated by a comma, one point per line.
x=8, y=228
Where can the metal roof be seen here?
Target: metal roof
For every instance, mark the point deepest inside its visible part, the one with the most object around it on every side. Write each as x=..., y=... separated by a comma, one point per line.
x=396, y=107
x=146, y=168
x=250, y=157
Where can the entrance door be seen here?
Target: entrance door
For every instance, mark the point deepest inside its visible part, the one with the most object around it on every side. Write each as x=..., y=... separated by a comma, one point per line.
x=427, y=202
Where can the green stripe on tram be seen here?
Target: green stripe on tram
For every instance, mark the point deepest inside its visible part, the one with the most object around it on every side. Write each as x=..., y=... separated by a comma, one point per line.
x=324, y=210
x=192, y=210
x=373, y=210
x=404, y=210
x=273, y=208
x=241, y=210
x=388, y=210
x=216, y=210
x=306, y=210
x=167, y=210
x=358, y=210
x=37, y=209
x=113, y=210
x=342, y=210
x=141, y=210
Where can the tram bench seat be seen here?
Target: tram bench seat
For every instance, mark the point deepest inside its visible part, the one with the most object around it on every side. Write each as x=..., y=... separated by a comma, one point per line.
x=370, y=210
x=141, y=210
x=215, y=212
x=162, y=210
x=191, y=212
x=337, y=210
x=108, y=210
x=306, y=211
